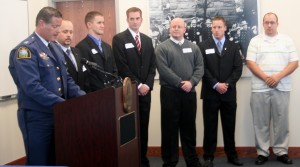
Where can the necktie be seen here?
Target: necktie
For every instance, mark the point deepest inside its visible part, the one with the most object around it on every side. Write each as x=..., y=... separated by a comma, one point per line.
x=68, y=51
x=100, y=47
x=138, y=44
x=219, y=46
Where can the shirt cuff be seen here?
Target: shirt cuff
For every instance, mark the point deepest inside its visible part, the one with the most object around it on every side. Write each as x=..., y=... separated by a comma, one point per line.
x=214, y=87
x=140, y=85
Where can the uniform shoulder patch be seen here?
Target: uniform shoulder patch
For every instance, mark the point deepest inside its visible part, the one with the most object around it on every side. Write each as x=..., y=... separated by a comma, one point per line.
x=23, y=53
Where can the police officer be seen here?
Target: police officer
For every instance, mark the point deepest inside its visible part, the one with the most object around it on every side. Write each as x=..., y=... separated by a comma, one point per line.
x=42, y=81
x=246, y=34
x=194, y=32
x=206, y=30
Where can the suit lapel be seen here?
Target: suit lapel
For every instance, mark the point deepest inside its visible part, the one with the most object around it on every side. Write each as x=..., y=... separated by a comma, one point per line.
x=142, y=43
x=77, y=57
x=213, y=45
x=224, y=50
x=132, y=40
x=92, y=45
x=225, y=46
x=69, y=62
x=44, y=49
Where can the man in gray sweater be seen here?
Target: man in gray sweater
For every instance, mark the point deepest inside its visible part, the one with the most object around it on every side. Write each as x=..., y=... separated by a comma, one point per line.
x=180, y=66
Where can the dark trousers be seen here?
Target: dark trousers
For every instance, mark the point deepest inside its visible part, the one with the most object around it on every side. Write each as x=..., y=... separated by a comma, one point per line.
x=211, y=110
x=178, y=114
x=144, y=114
x=38, y=134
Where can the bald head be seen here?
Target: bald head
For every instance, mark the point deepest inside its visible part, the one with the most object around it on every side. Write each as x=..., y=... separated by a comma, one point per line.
x=66, y=33
x=177, y=28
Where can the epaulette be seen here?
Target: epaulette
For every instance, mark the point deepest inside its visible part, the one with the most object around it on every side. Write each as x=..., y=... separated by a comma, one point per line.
x=23, y=51
x=28, y=40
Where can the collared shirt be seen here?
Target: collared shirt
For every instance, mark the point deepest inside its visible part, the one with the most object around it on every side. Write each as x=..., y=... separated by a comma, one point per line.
x=72, y=57
x=176, y=41
x=272, y=55
x=42, y=39
x=222, y=41
x=134, y=34
x=97, y=41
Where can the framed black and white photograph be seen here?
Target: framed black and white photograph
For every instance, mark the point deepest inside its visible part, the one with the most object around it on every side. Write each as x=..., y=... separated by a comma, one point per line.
x=241, y=17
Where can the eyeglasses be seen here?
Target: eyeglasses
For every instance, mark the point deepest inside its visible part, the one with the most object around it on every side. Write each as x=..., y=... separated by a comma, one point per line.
x=270, y=22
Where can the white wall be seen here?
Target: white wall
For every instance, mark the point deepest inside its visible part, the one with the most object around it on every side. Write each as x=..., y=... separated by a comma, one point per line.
x=11, y=145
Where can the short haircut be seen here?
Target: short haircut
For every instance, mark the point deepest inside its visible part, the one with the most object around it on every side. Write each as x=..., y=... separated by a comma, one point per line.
x=90, y=16
x=133, y=9
x=219, y=18
x=270, y=13
x=46, y=14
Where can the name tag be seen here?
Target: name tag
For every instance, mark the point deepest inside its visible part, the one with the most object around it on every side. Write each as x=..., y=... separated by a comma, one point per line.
x=210, y=51
x=129, y=45
x=83, y=69
x=187, y=50
x=94, y=51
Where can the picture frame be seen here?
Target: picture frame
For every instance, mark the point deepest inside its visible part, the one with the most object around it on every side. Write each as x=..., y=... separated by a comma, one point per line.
x=241, y=17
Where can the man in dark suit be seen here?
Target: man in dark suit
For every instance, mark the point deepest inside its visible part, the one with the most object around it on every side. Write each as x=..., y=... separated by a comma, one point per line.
x=72, y=55
x=38, y=70
x=94, y=49
x=222, y=69
x=134, y=55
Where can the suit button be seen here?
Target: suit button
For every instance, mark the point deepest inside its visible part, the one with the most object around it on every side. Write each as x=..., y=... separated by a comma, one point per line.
x=59, y=89
x=58, y=78
x=48, y=65
x=57, y=68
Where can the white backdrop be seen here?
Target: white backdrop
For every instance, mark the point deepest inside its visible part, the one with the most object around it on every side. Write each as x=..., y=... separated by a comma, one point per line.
x=14, y=28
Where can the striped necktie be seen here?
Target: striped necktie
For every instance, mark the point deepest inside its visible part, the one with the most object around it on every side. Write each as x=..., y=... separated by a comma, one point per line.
x=138, y=44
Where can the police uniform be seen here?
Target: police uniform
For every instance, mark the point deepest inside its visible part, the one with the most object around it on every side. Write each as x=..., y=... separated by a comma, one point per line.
x=42, y=81
x=245, y=36
x=194, y=34
x=206, y=33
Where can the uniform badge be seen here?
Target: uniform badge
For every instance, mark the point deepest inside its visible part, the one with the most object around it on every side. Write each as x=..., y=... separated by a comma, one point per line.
x=44, y=56
x=23, y=53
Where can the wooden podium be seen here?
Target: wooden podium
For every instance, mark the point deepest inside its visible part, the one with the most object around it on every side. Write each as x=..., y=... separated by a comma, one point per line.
x=95, y=131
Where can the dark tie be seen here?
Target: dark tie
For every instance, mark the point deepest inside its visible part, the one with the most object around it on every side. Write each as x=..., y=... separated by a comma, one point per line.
x=219, y=46
x=68, y=51
x=138, y=44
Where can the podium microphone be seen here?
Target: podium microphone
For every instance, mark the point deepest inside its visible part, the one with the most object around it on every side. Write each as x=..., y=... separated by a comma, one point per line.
x=84, y=61
x=117, y=79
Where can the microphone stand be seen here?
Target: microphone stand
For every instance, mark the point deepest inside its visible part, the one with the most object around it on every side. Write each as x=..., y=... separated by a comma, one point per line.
x=115, y=82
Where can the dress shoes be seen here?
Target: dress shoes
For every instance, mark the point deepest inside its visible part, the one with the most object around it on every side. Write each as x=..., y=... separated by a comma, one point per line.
x=285, y=159
x=261, y=160
x=208, y=163
x=235, y=161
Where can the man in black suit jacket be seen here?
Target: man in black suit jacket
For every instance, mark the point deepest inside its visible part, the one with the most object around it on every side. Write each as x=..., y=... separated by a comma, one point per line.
x=137, y=63
x=77, y=71
x=222, y=69
x=94, y=49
